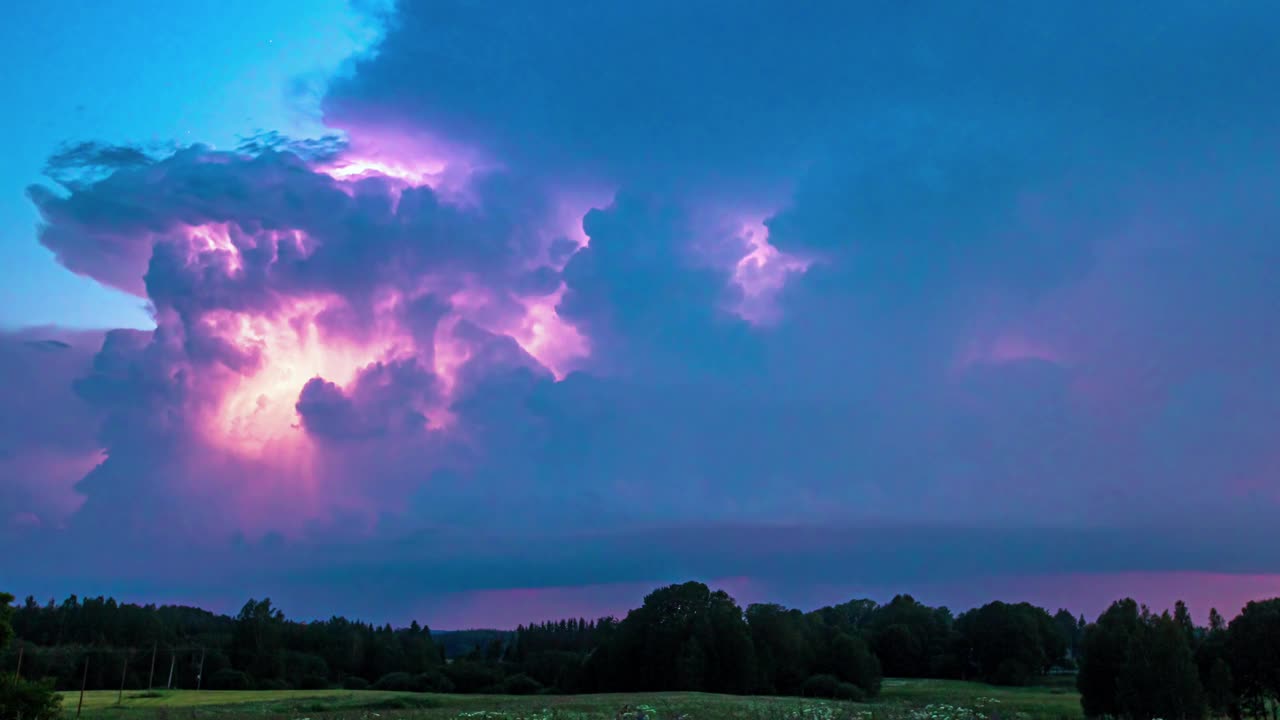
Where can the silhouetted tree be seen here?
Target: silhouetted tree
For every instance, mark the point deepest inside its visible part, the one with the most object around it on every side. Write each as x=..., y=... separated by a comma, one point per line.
x=1139, y=666
x=1071, y=631
x=256, y=642
x=912, y=639
x=21, y=698
x=6, y=615
x=1214, y=668
x=1104, y=659
x=1253, y=645
x=782, y=649
x=1010, y=644
x=684, y=637
x=1159, y=678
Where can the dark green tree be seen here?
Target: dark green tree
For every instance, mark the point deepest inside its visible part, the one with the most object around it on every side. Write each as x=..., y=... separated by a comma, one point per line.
x=850, y=660
x=1010, y=644
x=1104, y=658
x=20, y=698
x=1253, y=646
x=6, y=616
x=912, y=639
x=1214, y=666
x=684, y=637
x=256, y=641
x=1182, y=616
x=1139, y=666
x=1159, y=678
x=1070, y=630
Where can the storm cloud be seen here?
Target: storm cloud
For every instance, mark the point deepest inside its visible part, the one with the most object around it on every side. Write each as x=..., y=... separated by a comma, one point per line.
x=807, y=299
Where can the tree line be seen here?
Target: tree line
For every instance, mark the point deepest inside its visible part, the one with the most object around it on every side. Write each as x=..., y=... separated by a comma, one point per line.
x=1132, y=664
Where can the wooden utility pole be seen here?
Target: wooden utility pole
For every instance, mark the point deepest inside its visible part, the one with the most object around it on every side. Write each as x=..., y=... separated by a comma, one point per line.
x=173, y=659
x=200, y=672
x=123, y=671
x=152, y=676
x=83, y=680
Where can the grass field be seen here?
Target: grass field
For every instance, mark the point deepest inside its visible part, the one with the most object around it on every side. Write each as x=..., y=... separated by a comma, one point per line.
x=899, y=700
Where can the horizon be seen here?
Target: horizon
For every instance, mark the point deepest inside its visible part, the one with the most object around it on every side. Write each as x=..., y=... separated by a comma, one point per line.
x=425, y=308
x=1199, y=614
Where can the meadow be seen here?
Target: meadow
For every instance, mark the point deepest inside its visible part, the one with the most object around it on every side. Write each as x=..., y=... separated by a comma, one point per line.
x=899, y=700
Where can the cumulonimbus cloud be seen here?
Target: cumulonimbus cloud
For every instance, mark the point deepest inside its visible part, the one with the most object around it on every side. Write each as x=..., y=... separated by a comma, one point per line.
x=743, y=267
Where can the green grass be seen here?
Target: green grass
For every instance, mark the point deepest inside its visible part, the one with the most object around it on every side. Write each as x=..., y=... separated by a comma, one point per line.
x=1048, y=702
x=899, y=700
x=175, y=699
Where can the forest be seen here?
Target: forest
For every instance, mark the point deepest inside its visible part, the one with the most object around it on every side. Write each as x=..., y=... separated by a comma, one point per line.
x=1128, y=663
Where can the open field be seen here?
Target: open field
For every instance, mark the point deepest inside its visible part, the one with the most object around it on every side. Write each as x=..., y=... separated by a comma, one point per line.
x=900, y=700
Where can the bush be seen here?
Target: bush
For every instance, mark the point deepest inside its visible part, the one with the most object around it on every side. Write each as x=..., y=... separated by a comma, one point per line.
x=849, y=691
x=399, y=681
x=436, y=682
x=313, y=682
x=823, y=686
x=520, y=684
x=469, y=677
x=553, y=668
x=1012, y=672
x=28, y=700
x=228, y=679
x=355, y=682
x=855, y=664
x=302, y=669
x=272, y=684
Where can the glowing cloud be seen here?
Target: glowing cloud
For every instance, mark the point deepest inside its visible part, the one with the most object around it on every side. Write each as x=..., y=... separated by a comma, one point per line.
x=762, y=272
x=215, y=239
x=405, y=159
x=534, y=324
x=257, y=409
x=555, y=343
x=417, y=174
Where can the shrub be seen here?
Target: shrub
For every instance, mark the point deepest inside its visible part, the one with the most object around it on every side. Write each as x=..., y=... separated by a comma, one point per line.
x=560, y=669
x=273, y=684
x=355, y=682
x=28, y=700
x=301, y=670
x=849, y=691
x=400, y=681
x=313, y=682
x=520, y=684
x=1012, y=672
x=470, y=677
x=820, y=686
x=228, y=679
x=855, y=663
x=436, y=682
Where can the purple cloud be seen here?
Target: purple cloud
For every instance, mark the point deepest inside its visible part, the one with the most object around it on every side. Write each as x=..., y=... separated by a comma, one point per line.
x=604, y=297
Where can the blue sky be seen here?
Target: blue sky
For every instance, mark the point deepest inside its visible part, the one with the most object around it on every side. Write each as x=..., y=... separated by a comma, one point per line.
x=140, y=71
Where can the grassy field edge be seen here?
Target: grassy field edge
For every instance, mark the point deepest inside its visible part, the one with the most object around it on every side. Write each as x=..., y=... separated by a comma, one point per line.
x=899, y=700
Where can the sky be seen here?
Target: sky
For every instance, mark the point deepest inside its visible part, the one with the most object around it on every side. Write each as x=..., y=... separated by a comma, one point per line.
x=144, y=72
x=477, y=316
